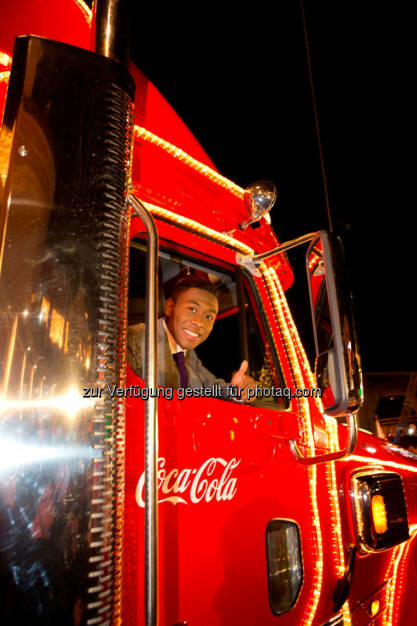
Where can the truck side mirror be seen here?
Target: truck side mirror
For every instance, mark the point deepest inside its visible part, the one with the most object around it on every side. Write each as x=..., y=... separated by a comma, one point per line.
x=338, y=369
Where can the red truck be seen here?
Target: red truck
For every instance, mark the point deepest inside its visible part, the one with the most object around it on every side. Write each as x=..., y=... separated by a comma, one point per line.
x=122, y=501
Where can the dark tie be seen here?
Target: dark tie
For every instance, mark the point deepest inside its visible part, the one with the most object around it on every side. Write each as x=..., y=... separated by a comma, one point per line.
x=180, y=361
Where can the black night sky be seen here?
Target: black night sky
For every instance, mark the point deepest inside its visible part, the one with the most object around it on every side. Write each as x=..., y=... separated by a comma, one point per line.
x=239, y=80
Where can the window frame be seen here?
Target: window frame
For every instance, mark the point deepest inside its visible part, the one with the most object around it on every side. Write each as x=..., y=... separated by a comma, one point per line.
x=178, y=253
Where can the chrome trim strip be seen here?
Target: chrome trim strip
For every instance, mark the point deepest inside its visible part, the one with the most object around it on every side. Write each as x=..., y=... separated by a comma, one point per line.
x=151, y=415
x=258, y=258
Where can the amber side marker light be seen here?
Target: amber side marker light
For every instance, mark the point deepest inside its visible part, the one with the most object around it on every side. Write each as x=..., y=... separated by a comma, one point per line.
x=379, y=510
x=379, y=514
x=374, y=607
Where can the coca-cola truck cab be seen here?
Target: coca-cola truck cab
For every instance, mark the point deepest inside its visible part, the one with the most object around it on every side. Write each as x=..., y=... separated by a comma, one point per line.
x=125, y=501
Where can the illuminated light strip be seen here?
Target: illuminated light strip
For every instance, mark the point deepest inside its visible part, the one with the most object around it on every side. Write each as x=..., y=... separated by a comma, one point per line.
x=400, y=552
x=5, y=76
x=332, y=432
x=399, y=555
x=278, y=301
x=340, y=564
x=85, y=10
x=347, y=621
x=390, y=585
x=337, y=527
x=331, y=429
x=356, y=457
x=338, y=552
x=5, y=59
x=146, y=135
x=285, y=319
x=331, y=426
x=398, y=594
x=199, y=228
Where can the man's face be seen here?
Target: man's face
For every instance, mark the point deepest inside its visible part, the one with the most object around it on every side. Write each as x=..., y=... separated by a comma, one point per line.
x=191, y=317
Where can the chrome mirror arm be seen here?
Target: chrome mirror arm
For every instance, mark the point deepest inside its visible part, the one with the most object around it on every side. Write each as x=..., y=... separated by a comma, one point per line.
x=331, y=456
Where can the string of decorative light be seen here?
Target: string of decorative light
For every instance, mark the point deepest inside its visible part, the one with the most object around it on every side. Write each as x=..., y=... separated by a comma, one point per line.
x=399, y=581
x=399, y=555
x=197, y=227
x=178, y=153
x=279, y=302
x=332, y=432
x=385, y=463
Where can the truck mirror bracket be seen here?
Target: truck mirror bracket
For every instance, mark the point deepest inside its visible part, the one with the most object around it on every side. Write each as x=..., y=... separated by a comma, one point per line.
x=247, y=261
x=331, y=456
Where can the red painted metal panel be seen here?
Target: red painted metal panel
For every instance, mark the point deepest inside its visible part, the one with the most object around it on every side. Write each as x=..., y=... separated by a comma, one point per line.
x=231, y=480
x=225, y=469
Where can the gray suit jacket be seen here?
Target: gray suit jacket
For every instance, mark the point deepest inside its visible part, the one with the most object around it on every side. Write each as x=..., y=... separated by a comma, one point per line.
x=168, y=375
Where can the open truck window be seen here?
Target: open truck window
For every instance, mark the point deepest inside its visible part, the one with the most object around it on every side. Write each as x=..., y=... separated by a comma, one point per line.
x=238, y=333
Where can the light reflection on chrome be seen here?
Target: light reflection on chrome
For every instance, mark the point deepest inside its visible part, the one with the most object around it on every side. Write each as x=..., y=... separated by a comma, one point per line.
x=63, y=292
x=15, y=454
x=70, y=403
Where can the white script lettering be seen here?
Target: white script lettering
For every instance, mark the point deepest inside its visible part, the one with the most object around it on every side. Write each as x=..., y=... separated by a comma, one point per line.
x=211, y=481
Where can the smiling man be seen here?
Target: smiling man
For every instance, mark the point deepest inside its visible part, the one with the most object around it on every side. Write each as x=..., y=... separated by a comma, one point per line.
x=190, y=314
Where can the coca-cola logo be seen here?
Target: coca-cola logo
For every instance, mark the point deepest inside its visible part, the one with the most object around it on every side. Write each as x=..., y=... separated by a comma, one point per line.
x=211, y=481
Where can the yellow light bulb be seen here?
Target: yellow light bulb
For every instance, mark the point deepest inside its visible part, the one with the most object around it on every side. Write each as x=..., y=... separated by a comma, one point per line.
x=379, y=514
x=374, y=608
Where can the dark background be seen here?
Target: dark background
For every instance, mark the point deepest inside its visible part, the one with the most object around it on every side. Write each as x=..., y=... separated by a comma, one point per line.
x=240, y=82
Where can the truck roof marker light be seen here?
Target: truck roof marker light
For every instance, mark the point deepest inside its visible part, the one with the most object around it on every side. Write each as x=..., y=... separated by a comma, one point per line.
x=259, y=198
x=199, y=228
x=149, y=137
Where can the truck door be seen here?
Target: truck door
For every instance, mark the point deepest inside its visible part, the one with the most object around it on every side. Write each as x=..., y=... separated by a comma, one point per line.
x=239, y=525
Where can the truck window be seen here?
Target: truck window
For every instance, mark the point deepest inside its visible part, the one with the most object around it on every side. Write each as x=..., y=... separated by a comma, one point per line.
x=238, y=332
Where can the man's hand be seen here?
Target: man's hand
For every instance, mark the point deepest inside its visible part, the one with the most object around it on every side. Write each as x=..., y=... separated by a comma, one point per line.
x=243, y=382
